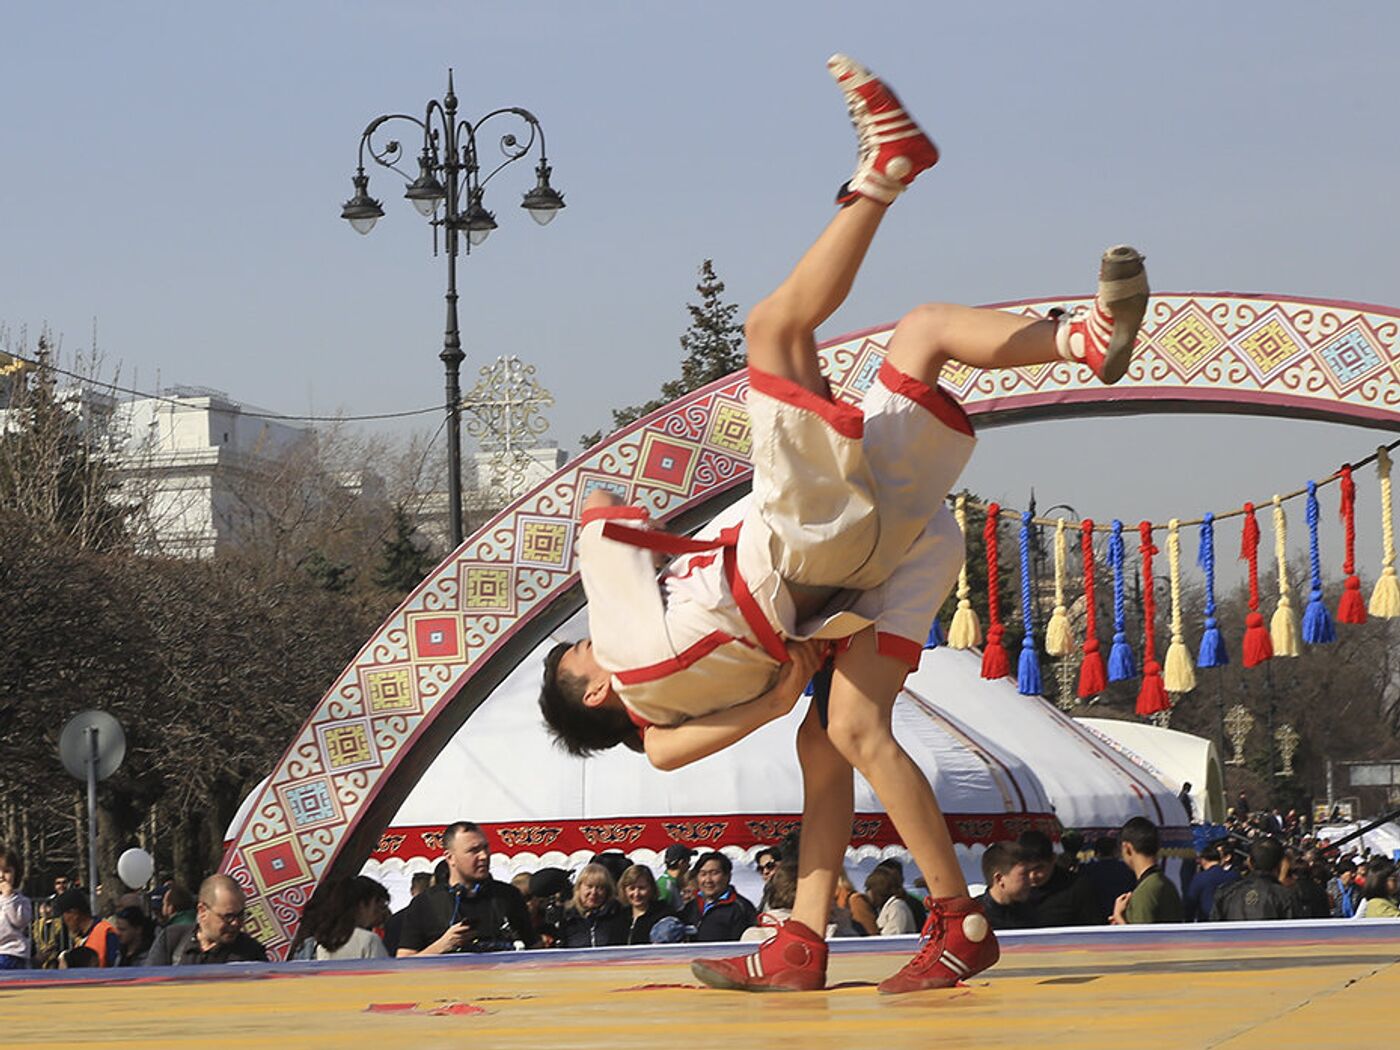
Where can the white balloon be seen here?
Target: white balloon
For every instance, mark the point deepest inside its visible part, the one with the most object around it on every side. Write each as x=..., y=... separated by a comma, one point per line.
x=135, y=867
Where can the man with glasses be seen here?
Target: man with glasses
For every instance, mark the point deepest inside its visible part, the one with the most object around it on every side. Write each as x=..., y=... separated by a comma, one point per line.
x=216, y=935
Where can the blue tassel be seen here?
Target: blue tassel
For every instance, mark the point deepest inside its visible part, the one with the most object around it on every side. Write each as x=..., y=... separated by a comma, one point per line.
x=1213, y=653
x=1121, y=665
x=1028, y=667
x=1317, y=621
x=935, y=637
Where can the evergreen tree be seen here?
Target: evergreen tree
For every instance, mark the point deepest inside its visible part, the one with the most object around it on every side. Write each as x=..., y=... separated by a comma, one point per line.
x=404, y=559
x=713, y=345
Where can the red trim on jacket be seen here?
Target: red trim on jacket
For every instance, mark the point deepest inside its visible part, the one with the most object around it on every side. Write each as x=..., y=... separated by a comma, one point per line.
x=748, y=607
x=704, y=647
x=903, y=649
x=845, y=419
x=624, y=511
x=937, y=400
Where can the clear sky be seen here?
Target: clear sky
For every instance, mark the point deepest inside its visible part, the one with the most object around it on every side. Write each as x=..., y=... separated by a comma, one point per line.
x=176, y=170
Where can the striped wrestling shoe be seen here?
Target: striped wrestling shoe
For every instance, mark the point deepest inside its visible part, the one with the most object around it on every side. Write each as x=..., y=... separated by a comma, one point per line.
x=1102, y=335
x=957, y=943
x=892, y=147
x=792, y=960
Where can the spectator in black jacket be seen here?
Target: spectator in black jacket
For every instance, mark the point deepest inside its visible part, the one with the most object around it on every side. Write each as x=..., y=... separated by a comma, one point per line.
x=1258, y=895
x=1058, y=897
x=637, y=889
x=718, y=912
x=594, y=918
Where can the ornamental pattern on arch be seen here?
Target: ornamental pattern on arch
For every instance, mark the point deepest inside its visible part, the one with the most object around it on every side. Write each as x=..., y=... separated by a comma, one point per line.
x=1257, y=353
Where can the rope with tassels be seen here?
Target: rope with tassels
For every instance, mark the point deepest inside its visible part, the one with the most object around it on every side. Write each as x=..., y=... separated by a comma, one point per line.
x=995, y=663
x=1351, y=607
x=1093, y=677
x=1257, y=645
x=965, y=632
x=1317, y=621
x=1120, y=656
x=1059, y=638
x=1028, y=667
x=1152, y=695
x=1212, y=652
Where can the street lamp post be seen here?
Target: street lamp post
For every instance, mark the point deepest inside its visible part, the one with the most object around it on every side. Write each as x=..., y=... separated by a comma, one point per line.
x=448, y=192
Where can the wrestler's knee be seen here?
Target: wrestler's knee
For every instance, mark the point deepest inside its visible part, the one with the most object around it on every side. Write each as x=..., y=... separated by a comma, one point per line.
x=861, y=739
x=771, y=326
x=924, y=331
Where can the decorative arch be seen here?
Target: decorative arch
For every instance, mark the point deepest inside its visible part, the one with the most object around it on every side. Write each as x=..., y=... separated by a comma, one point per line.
x=442, y=652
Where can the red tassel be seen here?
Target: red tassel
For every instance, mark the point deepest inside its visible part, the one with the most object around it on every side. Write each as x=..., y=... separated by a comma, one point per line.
x=1093, y=675
x=1152, y=697
x=995, y=662
x=1351, y=608
x=1258, y=645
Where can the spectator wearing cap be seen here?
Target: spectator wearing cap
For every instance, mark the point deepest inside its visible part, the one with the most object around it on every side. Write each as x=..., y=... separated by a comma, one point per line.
x=594, y=918
x=668, y=886
x=718, y=912
x=215, y=937
x=473, y=912
x=16, y=913
x=637, y=890
x=1153, y=899
x=549, y=892
x=73, y=908
x=1212, y=877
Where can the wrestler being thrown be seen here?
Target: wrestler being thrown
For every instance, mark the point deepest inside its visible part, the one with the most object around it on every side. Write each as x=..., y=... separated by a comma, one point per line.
x=844, y=551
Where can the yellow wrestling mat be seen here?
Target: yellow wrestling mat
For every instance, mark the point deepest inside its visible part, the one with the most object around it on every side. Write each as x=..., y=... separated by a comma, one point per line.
x=1321, y=984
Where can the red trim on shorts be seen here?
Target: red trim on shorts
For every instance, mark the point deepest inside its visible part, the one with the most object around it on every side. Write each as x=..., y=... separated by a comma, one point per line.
x=905, y=650
x=845, y=419
x=749, y=608
x=608, y=513
x=937, y=400
x=704, y=647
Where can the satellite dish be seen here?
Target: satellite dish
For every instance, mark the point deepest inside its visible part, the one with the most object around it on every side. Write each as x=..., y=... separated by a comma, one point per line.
x=76, y=750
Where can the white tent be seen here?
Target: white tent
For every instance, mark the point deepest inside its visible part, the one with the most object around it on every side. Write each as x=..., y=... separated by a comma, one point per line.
x=1173, y=757
x=999, y=763
x=1383, y=840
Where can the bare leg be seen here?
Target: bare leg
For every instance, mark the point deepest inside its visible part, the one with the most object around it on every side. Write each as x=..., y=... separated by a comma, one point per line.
x=828, y=793
x=929, y=336
x=863, y=691
x=780, y=328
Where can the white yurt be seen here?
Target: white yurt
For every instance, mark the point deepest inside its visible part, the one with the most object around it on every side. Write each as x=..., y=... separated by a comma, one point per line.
x=999, y=762
x=1173, y=757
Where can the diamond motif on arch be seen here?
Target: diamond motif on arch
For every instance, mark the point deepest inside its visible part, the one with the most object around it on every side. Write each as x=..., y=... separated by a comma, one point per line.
x=667, y=462
x=436, y=637
x=1270, y=345
x=1350, y=356
x=1188, y=340
x=276, y=863
x=729, y=428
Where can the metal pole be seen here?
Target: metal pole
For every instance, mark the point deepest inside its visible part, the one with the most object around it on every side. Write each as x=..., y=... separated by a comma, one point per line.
x=452, y=355
x=92, y=816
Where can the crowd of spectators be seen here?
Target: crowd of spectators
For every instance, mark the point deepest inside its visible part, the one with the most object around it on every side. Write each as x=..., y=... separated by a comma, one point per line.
x=1262, y=866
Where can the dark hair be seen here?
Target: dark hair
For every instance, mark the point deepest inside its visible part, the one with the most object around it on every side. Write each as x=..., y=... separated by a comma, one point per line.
x=767, y=851
x=179, y=898
x=80, y=957
x=458, y=827
x=892, y=865
x=1378, y=873
x=337, y=919
x=1035, y=847
x=998, y=859
x=421, y=881
x=1141, y=834
x=637, y=873
x=882, y=884
x=1265, y=855
x=579, y=730
x=134, y=916
x=442, y=873
x=719, y=858
x=10, y=858
x=1106, y=847
x=1210, y=851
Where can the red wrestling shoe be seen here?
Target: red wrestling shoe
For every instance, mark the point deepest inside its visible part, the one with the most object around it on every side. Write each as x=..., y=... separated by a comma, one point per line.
x=792, y=960
x=958, y=942
x=892, y=148
x=1102, y=336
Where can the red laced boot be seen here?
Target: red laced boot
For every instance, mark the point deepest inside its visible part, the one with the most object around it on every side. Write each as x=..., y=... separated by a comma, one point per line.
x=958, y=942
x=892, y=147
x=792, y=960
x=1103, y=335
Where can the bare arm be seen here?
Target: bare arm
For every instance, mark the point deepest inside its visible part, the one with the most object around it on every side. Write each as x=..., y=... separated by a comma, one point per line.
x=671, y=747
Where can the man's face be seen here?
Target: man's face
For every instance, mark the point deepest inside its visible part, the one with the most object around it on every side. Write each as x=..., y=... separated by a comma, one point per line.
x=222, y=922
x=711, y=879
x=60, y=885
x=1038, y=872
x=73, y=921
x=1016, y=884
x=469, y=856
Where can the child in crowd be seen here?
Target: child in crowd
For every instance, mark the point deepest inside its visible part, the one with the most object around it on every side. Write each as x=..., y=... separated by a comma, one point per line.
x=843, y=552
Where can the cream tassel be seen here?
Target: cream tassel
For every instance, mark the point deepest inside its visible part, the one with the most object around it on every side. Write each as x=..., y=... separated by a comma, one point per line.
x=1283, y=629
x=965, y=632
x=1059, y=638
x=1385, y=599
x=1179, y=673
